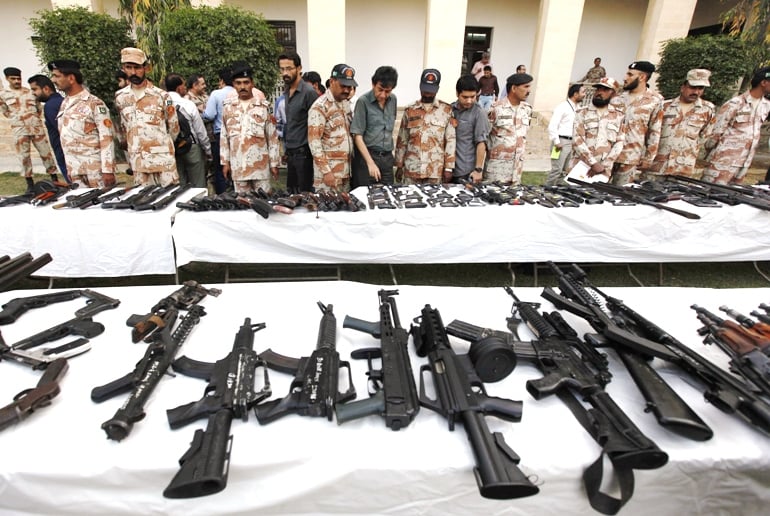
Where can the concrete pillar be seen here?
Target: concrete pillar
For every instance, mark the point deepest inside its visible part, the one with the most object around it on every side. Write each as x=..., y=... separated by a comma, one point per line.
x=554, y=53
x=62, y=4
x=326, y=36
x=665, y=19
x=444, y=25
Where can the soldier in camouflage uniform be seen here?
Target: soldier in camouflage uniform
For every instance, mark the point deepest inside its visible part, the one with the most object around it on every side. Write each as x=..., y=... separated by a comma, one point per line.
x=735, y=136
x=18, y=104
x=328, y=132
x=643, y=119
x=425, y=148
x=598, y=135
x=509, y=120
x=249, y=148
x=149, y=123
x=687, y=119
x=85, y=129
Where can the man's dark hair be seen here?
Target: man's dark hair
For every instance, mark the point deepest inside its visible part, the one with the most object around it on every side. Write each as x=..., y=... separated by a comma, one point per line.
x=573, y=88
x=520, y=67
x=387, y=76
x=42, y=81
x=226, y=74
x=760, y=75
x=291, y=56
x=487, y=67
x=467, y=83
x=173, y=81
x=192, y=79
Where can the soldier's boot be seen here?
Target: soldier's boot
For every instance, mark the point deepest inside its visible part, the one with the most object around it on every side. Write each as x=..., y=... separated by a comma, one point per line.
x=53, y=178
x=30, y=183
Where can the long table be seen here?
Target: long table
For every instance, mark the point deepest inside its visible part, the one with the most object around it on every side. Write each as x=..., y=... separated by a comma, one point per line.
x=93, y=242
x=58, y=461
x=527, y=233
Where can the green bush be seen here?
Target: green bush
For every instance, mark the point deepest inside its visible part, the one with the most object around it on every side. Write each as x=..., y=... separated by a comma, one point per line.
x=205, y=40
x=94, y=40
x=725, y=56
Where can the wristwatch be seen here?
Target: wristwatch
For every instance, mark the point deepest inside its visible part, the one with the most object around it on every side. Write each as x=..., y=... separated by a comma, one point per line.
x=478, y=169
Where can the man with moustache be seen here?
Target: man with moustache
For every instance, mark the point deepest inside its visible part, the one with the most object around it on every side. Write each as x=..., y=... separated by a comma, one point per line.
x=149, y=123
x=425, y=147
x=249, y=146
x=687, y=120
x=643, y=118
x=509, y=119
x=45, y=92
x=735, y=137
x=298, y=98
x=598, y=135
x=18, y=104
x=372, y=130
x=85, y=127
x=328, y=131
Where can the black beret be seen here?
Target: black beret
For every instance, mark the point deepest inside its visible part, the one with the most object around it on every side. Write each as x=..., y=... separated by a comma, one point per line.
x=12, y=72
x=642, y=66
x=241, y=69
x=64, y=64
x=518, y=79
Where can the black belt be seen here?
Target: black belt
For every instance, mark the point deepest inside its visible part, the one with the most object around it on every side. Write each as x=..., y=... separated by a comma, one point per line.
x=379, y=153
x=566, y=137
x=305, y=149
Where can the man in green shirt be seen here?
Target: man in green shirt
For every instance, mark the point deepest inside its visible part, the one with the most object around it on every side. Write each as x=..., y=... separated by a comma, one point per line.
x=372, y=130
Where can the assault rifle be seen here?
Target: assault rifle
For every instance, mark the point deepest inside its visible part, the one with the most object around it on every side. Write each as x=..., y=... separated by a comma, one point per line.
x=230, y=393
x=735, y=193
x=134, y=198
x=461, y=397
x=314, y=390
x=95, y=303
x=158, y=356
x=29, y=400
x=627, y=193
x=629, y=330
x=574, y=371
x=746, y=348
x=392, y=392
x=82, y=200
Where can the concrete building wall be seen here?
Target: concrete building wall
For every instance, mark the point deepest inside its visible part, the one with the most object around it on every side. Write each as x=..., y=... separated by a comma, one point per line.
x=17, y=49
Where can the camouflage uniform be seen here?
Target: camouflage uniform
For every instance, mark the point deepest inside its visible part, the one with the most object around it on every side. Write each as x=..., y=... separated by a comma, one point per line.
x=643, y=119
x=85, y=130
x=328, y=135
x=199, y=101
x=507, y=140
x=680, y=136
x=27, y=128
x=598, y=136
x=734, y=139
x=249, y=143
x=426, y=142
x=149, y=126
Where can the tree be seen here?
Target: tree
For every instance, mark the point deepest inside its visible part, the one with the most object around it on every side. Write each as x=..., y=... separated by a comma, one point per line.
x=208, y=39
x=725, y=56
x=750, y=21
x=146, y=17
x=94, y=40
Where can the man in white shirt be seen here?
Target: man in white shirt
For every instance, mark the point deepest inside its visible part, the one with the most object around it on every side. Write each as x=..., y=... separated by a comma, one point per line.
x=560, y=132
x=190, y=164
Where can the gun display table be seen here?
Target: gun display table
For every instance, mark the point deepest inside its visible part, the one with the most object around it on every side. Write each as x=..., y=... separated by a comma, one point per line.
x=93, y=242
x=489, y=234
x=58, y=461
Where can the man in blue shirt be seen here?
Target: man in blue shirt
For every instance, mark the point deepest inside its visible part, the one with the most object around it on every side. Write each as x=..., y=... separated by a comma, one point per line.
x=213, y=112
x=44, y=91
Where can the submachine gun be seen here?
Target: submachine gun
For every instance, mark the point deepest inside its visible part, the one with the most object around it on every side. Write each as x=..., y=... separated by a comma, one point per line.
x=314, y=390
x=574, y=371
x=392, y=394
x=461, y=397
x=230, y=393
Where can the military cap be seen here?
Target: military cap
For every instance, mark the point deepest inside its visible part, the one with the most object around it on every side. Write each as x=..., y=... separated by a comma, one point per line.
x=643, y=66
x=698, y=77
x=133, y=55
x=344, y=74
x=763, y=74
x=430, y=80
x=607, y=82
x=64, y=65
x=12, y=72
x=518, y=79
x=241, y=69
